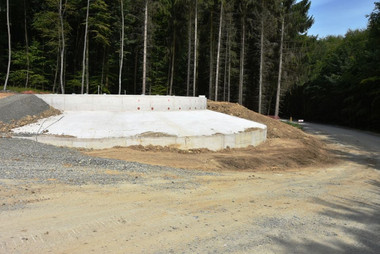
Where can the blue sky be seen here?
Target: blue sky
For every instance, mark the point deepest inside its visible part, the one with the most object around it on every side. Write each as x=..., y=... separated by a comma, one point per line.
x=335, y=17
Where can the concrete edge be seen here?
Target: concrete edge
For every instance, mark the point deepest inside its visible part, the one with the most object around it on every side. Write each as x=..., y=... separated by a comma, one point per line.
x=214, y=142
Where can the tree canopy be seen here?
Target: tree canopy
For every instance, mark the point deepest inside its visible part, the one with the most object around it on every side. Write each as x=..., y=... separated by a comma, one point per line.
x=344, y=79
x=255, y=52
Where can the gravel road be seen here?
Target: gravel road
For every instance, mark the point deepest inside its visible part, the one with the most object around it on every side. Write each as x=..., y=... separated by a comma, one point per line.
x=57, y=200
x=368, y=142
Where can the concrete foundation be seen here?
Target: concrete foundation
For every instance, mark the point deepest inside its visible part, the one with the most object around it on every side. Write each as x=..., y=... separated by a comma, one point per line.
x=104, y=121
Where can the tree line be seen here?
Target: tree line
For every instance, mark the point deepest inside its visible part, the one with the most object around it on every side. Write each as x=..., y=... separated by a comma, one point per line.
x=343, y=84
x=245, y=51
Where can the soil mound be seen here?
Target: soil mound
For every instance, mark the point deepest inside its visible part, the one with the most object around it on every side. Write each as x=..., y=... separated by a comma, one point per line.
x=276, y=128
x=5, y=94
x=287, y=148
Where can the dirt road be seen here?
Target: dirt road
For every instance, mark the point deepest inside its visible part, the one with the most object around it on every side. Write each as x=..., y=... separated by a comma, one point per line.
x=334, y=209
x=362, y=147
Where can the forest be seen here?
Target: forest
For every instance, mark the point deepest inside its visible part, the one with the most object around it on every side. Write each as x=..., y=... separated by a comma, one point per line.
x=253, y=52
x=343, y=79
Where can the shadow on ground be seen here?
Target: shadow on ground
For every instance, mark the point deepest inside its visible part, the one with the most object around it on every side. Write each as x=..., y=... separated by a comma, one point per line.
x=350, y=145
x=367, y=159
x=358, y=223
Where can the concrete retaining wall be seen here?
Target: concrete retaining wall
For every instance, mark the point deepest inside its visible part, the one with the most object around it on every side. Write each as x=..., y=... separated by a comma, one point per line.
x=122, y=103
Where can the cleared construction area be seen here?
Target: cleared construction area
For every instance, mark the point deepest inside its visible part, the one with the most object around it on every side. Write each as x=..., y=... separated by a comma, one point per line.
x=105, y=121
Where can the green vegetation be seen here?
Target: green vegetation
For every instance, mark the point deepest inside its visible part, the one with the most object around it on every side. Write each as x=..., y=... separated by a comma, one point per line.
x=255, y=52
x=296, y=125
x=344, y=79
x=52, y=51
x=17, y=89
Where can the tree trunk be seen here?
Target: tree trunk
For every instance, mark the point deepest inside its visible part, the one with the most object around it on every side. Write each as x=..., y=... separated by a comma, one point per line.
x=122, y=44
x=56, y=71
x=9, y=48
x=145, y=46
x=218, y=53
x=26, y=49
x=87, y=70
x=106, y=69
x=195, y=46
x=229, y=66
x=210, y=83
x=172, y=66
x=102, y=75
x=225, y=66
x=135, y=74
x=62, y=48
x=261, y=66
x=188, y=58
x=278, y=95
x=85, y=46
x=229, y=74
x=242, y=55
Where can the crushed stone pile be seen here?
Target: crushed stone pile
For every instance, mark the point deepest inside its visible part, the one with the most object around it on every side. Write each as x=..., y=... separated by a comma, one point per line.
x=21, y=109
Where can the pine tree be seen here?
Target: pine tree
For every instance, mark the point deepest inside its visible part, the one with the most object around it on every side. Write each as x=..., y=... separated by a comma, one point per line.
x=195, y=47
x=85, y=49
x=121, y=42
x=9, y=48
x=218, y=52
x=145, y=46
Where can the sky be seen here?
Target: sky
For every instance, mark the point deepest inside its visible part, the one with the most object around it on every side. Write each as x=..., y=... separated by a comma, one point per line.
x=335, y=17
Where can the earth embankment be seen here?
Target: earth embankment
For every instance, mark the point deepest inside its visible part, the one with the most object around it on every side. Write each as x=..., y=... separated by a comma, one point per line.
x=286, y=148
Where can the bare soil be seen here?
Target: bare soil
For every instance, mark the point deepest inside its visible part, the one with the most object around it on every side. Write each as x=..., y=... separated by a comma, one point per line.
x=313, y=210
x=287, y=148
x=284, y=196
x=3, y=95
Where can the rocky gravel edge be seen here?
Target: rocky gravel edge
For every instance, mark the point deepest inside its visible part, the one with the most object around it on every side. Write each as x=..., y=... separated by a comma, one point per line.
x=22, y=159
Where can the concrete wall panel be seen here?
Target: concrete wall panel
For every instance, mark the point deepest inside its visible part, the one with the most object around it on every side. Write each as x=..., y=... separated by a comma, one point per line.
x=122, y=103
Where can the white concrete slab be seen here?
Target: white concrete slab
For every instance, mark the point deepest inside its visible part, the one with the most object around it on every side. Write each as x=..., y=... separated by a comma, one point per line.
x=122, y=124
x=102, y=124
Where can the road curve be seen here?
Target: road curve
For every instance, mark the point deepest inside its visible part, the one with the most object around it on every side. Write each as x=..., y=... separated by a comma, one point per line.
x=365, y=143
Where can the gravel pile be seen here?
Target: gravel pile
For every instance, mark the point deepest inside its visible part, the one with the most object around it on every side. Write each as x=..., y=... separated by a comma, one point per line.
x=19, y=106
x=22, y=159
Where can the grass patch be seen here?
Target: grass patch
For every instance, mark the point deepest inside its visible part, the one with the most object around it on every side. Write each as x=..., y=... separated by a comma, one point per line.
x=296, y=125
x=16, y=89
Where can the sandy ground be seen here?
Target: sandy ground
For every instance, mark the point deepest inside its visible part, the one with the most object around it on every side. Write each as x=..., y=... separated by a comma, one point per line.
x=293, y=194
x=276, y=154
x=3, y=95
x=331, y=209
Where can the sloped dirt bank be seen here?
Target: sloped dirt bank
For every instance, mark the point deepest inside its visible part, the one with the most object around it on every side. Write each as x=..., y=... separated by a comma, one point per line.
x=286, y=148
